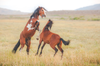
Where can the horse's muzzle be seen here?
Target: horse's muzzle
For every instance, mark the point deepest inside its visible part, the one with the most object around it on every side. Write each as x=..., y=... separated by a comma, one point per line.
x=43, y=15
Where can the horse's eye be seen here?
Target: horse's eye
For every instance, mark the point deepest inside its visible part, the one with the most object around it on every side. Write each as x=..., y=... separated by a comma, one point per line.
x=42, y=10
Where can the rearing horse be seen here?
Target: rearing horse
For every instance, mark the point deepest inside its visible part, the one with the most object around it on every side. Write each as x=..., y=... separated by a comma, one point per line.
x=30, y=29
x=52, y=39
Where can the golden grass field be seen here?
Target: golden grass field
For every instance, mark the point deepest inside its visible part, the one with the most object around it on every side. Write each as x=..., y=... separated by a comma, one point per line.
x=84, y=49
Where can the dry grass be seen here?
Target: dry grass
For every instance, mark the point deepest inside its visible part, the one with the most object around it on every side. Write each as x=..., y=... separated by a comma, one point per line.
x=84, y=49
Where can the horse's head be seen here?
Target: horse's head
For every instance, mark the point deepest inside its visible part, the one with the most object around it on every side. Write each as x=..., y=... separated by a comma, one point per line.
x=49, y=24
x=39, y=11
x=42, y=12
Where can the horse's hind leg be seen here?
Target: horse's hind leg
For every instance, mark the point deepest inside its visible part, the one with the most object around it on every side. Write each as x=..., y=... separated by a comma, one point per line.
x=42, y=49
x=55, y=51
x=28, y=42
x=59, y=47
x=22, y=42
x=54, y=48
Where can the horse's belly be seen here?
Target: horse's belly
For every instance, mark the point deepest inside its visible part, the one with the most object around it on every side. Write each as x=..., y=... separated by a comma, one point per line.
x=46, y=40
x=47, y=37
x=29, y=33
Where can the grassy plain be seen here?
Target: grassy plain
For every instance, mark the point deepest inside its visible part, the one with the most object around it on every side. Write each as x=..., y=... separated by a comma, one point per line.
x=84, y=49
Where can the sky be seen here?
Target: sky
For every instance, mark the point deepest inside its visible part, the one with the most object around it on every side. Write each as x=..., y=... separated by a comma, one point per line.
x=50, y=5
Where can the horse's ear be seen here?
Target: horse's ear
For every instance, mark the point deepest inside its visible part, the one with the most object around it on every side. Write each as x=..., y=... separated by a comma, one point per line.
x=39, y=7
x=44, y=8
x=49, y=19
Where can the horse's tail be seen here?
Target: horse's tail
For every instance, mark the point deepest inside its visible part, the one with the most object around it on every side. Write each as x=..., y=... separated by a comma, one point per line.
x=65, y=42
x=16, y=47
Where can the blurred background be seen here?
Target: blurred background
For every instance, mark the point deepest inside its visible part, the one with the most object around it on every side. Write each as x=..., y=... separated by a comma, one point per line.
x=62, y=9
x=75, y=20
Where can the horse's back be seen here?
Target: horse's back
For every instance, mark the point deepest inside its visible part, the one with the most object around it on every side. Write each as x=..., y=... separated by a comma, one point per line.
x=55, y=38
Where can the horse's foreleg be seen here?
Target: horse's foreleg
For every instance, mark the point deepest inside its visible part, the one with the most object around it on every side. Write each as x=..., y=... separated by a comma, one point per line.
x=38, y=34
x=38, y=47
x=42, y=49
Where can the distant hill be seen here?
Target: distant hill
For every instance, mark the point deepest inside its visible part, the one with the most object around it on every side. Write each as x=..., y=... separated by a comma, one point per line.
x=92, y=7
x=74, y=12
x=4, y=11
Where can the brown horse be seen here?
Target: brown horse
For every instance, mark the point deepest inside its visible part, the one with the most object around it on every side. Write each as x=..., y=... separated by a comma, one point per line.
x=30, y=29
x=52, y=39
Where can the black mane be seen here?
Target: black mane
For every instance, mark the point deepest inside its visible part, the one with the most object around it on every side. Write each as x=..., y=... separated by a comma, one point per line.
x=36, y=12
x=49, y=25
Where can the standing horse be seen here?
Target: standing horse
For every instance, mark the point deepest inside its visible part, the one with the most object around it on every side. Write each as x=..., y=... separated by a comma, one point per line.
x=30, y=29
x=52, y=39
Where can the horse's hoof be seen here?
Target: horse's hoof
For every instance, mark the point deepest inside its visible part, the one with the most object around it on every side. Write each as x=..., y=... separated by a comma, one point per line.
x=36, y=54
x=40, y=55
x=28, y=53
x=13, y=51
x=37, y=38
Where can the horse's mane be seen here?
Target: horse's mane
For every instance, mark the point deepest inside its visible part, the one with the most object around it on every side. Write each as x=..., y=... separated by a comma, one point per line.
x=49, y=24
x=37, y=12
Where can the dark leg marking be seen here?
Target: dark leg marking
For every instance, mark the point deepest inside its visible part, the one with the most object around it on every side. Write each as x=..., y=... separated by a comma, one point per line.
x=60, y=50
x=28, y=45
x=38, y=49
x=27, y=51
x=62, y=53
x=55, y=51
x=42, y=49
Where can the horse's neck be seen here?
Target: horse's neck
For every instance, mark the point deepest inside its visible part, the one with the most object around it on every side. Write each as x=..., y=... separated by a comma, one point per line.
x=45, y=30
x=37, y=17
x=33, y=19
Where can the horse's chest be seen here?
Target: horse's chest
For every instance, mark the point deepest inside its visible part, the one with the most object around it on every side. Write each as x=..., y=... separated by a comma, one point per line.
x=29, y=26
x=29, y=30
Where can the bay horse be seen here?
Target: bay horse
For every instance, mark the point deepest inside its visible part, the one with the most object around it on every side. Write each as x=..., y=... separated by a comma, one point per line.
x=52, y=39
x=30, y=29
